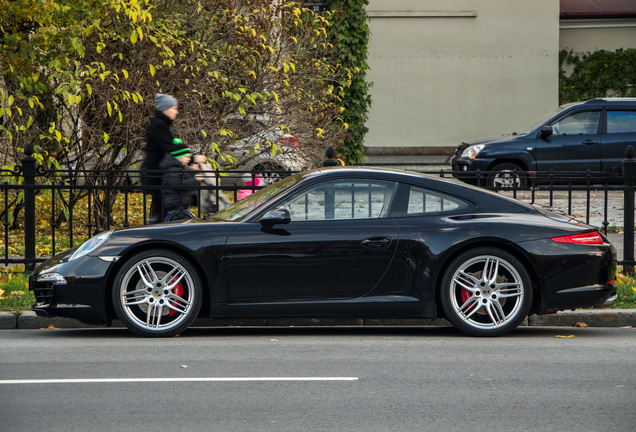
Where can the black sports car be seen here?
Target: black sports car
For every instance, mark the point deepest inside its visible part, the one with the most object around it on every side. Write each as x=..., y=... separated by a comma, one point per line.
x=338, y=242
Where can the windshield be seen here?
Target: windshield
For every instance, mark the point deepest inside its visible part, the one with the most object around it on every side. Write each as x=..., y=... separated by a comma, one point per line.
x=242, y=208
x=541, y=121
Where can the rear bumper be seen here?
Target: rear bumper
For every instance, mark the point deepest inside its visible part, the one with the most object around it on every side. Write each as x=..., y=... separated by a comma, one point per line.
x=583, y=297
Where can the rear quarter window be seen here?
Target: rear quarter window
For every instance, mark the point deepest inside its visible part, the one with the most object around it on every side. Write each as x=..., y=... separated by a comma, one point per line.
x=415, y=200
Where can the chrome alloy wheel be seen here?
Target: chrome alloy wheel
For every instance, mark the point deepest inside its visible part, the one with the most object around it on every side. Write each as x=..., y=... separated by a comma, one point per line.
x=506, y=180
x=486, y=291
x=157, y=294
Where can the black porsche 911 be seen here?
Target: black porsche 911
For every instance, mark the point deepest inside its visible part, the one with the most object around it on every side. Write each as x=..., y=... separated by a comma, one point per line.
x=338, y=242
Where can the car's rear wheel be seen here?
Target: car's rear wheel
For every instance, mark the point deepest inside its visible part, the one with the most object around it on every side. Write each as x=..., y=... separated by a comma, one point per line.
x=486, y=292
x=270, y=172
x=506, y=176
x=157, y=293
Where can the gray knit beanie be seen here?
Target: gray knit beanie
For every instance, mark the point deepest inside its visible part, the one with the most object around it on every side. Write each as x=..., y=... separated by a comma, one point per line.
x=163, y=102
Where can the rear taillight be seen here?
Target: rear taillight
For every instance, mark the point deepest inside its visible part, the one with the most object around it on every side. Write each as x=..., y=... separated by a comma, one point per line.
x=291, y=141
x=585, y=238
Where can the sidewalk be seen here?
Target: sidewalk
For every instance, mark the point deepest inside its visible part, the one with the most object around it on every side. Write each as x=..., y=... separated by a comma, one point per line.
x=577, y=318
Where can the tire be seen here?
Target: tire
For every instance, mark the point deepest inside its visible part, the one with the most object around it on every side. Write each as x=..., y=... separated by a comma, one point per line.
x=486, y=292
x=157, y=293
x=179, y=215
x=503, y=176
x=264, y=170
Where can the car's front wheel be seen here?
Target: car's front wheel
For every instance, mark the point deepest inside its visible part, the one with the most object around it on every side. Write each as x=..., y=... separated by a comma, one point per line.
x=506, y=176
x=157, y=293
x=486, y=292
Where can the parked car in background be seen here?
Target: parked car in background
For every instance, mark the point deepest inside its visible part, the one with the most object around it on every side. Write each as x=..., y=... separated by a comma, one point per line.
x=260, y=146
x=338, y=242
x=576, y=137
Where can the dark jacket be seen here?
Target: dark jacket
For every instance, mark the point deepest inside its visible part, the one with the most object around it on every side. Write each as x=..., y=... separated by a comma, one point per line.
x=158, y=140
x=174, y=178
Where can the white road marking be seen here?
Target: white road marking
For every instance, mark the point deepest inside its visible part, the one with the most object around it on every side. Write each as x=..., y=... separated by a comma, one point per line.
x=155, y=380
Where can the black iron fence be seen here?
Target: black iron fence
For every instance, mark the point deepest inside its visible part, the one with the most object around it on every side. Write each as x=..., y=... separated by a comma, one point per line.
x=46, y=211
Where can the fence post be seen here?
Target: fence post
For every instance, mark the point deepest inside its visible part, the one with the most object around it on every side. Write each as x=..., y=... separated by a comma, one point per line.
x=629, y=176
x=28, y=170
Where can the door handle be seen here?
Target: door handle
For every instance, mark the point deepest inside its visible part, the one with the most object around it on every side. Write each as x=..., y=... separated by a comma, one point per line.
x=377, y=242
x=589, y=142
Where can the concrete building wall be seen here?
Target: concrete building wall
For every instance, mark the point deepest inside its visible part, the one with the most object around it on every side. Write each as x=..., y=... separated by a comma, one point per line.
x=593, y=35
x=444, y=71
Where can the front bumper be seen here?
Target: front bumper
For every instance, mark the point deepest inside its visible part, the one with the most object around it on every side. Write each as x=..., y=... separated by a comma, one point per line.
x=469, y=170
x=81, y=295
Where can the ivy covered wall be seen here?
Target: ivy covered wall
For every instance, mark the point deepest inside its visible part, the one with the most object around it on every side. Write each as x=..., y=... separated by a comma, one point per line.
x=597, y=74
x=351, y=33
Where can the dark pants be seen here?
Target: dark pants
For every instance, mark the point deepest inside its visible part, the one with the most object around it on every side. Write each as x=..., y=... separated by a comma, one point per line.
x=156, y=214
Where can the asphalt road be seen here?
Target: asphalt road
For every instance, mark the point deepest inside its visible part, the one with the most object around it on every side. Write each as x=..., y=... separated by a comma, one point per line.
x=327, y=379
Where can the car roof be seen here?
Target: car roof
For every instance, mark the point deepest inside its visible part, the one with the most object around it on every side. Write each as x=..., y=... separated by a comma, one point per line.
x=608, y=100
x=450, y=185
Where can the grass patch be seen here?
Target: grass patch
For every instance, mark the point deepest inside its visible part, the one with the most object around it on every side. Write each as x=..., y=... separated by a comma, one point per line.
x=625, y=292
x=14, y=291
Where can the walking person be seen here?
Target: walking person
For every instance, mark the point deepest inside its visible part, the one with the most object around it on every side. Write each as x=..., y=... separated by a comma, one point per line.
x=180, y=178
x=159, y=142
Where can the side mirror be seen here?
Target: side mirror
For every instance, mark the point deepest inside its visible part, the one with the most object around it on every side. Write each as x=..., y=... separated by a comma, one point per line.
x=280, y=216
x=546, y=131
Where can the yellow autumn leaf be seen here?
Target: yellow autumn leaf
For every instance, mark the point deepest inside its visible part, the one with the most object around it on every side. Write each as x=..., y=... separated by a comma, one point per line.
x=565, y=337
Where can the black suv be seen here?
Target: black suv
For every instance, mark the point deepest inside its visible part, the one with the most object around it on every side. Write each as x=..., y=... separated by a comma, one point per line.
x=578, y=141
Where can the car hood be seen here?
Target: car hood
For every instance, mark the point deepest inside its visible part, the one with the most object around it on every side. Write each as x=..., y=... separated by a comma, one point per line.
x=192, y=234
x=492, y=139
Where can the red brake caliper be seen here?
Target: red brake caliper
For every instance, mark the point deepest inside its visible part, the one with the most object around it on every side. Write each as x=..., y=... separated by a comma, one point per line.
x=465, y=295
x=178, y=291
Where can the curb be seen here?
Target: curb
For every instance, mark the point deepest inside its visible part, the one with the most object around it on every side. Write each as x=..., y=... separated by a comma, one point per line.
x=577, y=318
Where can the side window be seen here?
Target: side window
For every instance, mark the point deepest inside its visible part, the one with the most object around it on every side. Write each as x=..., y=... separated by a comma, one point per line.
x=417, y=201
x=581, y=123
x=621, y=122
x=341, y=199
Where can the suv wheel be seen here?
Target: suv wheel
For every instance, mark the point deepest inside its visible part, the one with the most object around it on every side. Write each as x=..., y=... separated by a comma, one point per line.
x=506, y=176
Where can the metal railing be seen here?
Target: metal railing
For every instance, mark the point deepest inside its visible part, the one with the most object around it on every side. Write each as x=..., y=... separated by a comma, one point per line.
x=66, y=207
x=79, y=203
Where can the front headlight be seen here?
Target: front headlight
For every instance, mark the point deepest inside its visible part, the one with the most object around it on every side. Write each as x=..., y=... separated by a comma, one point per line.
x=90, y=245
x=472, y=151
x=52, y=278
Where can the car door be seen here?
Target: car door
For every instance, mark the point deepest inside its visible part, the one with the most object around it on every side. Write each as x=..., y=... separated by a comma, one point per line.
x=620, y=132
x=338, y=245
x=575, y=144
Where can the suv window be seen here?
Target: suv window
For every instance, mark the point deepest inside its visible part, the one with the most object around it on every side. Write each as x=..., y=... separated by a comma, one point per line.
x=621, y=122
x=580, y=123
